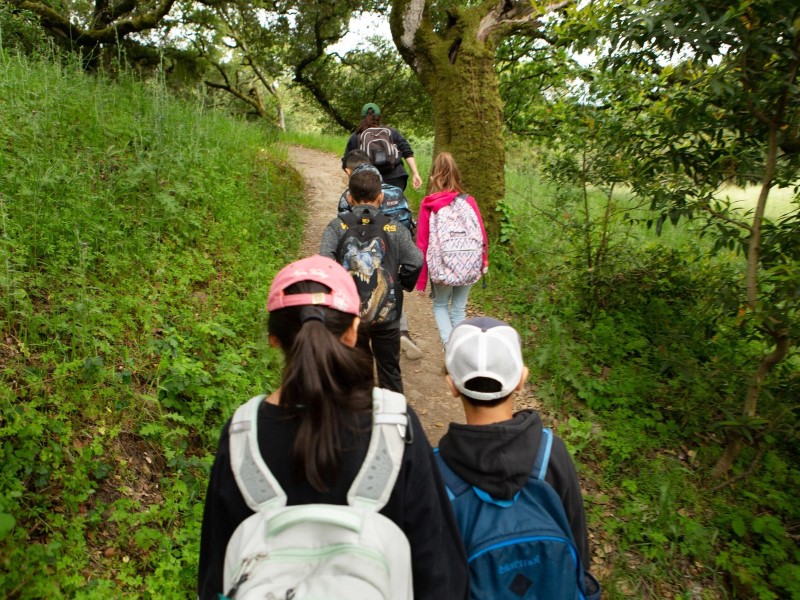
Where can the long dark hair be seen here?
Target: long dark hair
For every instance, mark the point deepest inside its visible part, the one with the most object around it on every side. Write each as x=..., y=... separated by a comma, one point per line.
x=367, y=121
x=324, y=381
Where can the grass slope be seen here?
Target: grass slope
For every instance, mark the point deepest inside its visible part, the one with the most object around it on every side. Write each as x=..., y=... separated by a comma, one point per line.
x=138, y=237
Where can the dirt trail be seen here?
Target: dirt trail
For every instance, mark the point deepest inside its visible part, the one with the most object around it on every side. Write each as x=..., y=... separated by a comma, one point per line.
x=422, y=379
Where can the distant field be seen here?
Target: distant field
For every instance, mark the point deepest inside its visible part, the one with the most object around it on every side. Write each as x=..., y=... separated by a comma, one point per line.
x=778, y=204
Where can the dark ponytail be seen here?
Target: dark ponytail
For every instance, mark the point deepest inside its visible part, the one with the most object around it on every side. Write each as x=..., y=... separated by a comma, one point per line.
x=367, y=121
x=324, y=381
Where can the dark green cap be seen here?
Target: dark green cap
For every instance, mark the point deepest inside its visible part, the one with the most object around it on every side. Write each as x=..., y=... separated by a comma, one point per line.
x=370, y=106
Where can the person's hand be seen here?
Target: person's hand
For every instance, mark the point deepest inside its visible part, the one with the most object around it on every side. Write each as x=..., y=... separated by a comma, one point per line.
x=416, y=181
x=421, y=293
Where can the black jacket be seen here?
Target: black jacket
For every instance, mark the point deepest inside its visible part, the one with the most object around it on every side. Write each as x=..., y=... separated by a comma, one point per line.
x=499, y=458
x=418, y=504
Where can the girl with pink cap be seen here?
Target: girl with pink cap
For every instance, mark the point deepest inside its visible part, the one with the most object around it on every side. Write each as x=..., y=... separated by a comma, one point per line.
x=314, y=431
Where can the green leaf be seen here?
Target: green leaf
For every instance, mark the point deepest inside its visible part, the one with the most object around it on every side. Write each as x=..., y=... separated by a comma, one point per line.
x=738, y=526
x=7, y=523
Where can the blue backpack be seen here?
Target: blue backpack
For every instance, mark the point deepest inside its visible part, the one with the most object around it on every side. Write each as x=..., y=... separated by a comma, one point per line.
x=519, y=548
x=394, y=205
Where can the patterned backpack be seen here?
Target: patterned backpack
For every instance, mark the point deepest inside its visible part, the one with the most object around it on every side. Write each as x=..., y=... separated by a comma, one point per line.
x=455, y=245
x=364, y=251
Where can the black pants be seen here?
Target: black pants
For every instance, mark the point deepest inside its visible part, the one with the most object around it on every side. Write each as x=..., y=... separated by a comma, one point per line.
x=384, y=346
x=400, y=182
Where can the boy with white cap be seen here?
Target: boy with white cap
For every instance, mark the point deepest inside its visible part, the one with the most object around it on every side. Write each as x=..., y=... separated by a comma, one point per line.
x=499, y=453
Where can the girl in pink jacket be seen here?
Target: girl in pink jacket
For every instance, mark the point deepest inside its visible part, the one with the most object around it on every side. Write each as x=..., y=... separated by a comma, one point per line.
x=444, y=189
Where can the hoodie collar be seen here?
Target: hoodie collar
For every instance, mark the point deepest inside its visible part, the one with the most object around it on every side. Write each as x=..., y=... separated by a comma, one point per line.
x=439, y=199
x=497, y=458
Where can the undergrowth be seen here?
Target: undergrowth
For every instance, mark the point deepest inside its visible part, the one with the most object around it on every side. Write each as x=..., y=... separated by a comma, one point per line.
x=643, y=362
x=138, y=237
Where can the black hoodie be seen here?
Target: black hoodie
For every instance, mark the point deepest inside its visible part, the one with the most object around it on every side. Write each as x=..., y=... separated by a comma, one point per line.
x=499, y=458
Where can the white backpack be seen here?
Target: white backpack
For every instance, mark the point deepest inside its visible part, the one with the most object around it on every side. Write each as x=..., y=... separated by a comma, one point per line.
x=320, y=550
x=455, y=244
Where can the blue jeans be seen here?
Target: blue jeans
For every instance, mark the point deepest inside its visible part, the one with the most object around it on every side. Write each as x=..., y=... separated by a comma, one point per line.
x=449, y=307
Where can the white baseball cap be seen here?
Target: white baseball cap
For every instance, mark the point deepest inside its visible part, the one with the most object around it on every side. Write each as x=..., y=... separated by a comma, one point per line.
x=484, y=347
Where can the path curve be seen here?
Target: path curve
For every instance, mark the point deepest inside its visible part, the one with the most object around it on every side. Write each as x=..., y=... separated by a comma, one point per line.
x=423, y=379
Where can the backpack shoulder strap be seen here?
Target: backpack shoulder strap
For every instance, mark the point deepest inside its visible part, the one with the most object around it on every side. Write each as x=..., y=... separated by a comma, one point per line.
x=543, y=454
x=391, y=431
x=453, y=484
x=349, y=218
x=256, y=482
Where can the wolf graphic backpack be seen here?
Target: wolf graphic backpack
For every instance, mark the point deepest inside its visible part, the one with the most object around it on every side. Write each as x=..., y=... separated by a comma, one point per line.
x=383, y=152
x=519, y=548
x=313, y=551
x=364, y=251
x=455, y=244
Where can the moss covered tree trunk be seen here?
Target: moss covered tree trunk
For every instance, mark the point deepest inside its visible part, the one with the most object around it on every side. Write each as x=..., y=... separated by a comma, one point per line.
x=452, y=51
x=468, y=117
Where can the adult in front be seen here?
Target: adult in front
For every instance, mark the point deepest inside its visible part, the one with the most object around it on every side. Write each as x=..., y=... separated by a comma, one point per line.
x=313, y=434
x=386, y=147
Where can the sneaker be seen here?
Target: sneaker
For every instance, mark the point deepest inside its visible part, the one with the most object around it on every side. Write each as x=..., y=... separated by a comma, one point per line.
x=411, y=349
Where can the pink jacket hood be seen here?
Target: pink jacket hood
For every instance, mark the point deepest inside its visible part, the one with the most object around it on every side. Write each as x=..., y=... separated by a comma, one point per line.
x=436, y=201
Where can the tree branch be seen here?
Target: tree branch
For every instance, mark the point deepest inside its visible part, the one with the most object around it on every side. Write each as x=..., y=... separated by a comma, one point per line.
x=110, y=34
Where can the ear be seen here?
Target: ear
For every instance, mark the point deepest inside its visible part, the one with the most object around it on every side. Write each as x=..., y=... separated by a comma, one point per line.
x=350, y=336
x=349, y=198
x=348, y=171
x=452, y=386
x=522, y=380
x=273, y=341
x=380, y=198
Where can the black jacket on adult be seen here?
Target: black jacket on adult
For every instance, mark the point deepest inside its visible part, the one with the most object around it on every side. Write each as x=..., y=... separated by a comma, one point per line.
x=418, y=504
x=402, y=145
x=499, y=459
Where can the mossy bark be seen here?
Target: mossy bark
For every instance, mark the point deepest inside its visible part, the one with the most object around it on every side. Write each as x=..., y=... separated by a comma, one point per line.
x=457, y=70
x=468, y=116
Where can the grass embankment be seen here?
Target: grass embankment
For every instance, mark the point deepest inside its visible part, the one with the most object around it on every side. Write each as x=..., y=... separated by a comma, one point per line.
x=138, y=237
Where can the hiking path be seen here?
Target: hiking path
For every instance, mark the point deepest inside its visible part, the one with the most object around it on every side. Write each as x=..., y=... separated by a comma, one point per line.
x=423, y=379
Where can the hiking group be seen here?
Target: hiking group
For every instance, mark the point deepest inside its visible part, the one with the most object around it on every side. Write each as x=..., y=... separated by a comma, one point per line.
x=328, y=486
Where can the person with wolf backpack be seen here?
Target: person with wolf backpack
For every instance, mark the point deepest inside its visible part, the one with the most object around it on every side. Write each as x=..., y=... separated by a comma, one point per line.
x=452, y=238
x=327, y=487
x=386, y=148
x=395, y=206
x=512, y=482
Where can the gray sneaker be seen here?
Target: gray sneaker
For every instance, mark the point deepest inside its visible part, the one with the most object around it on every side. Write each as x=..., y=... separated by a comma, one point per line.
x=409, y=347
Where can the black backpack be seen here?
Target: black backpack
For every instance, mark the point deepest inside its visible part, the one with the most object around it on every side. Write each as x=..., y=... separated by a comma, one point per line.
x=364, y=251
x=383, y=152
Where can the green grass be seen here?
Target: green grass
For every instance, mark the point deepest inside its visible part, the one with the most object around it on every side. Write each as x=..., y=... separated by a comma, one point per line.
x=137, y=243
x=326, y=142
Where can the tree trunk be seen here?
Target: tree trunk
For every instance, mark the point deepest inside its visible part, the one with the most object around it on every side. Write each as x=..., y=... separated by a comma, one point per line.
x=769, y=361
x=467, y=113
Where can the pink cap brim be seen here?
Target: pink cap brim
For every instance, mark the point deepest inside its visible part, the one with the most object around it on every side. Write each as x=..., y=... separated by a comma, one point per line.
x=343, y=295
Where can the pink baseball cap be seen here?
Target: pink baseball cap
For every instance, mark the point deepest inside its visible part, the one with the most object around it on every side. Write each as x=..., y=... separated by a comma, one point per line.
x=343, y=295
